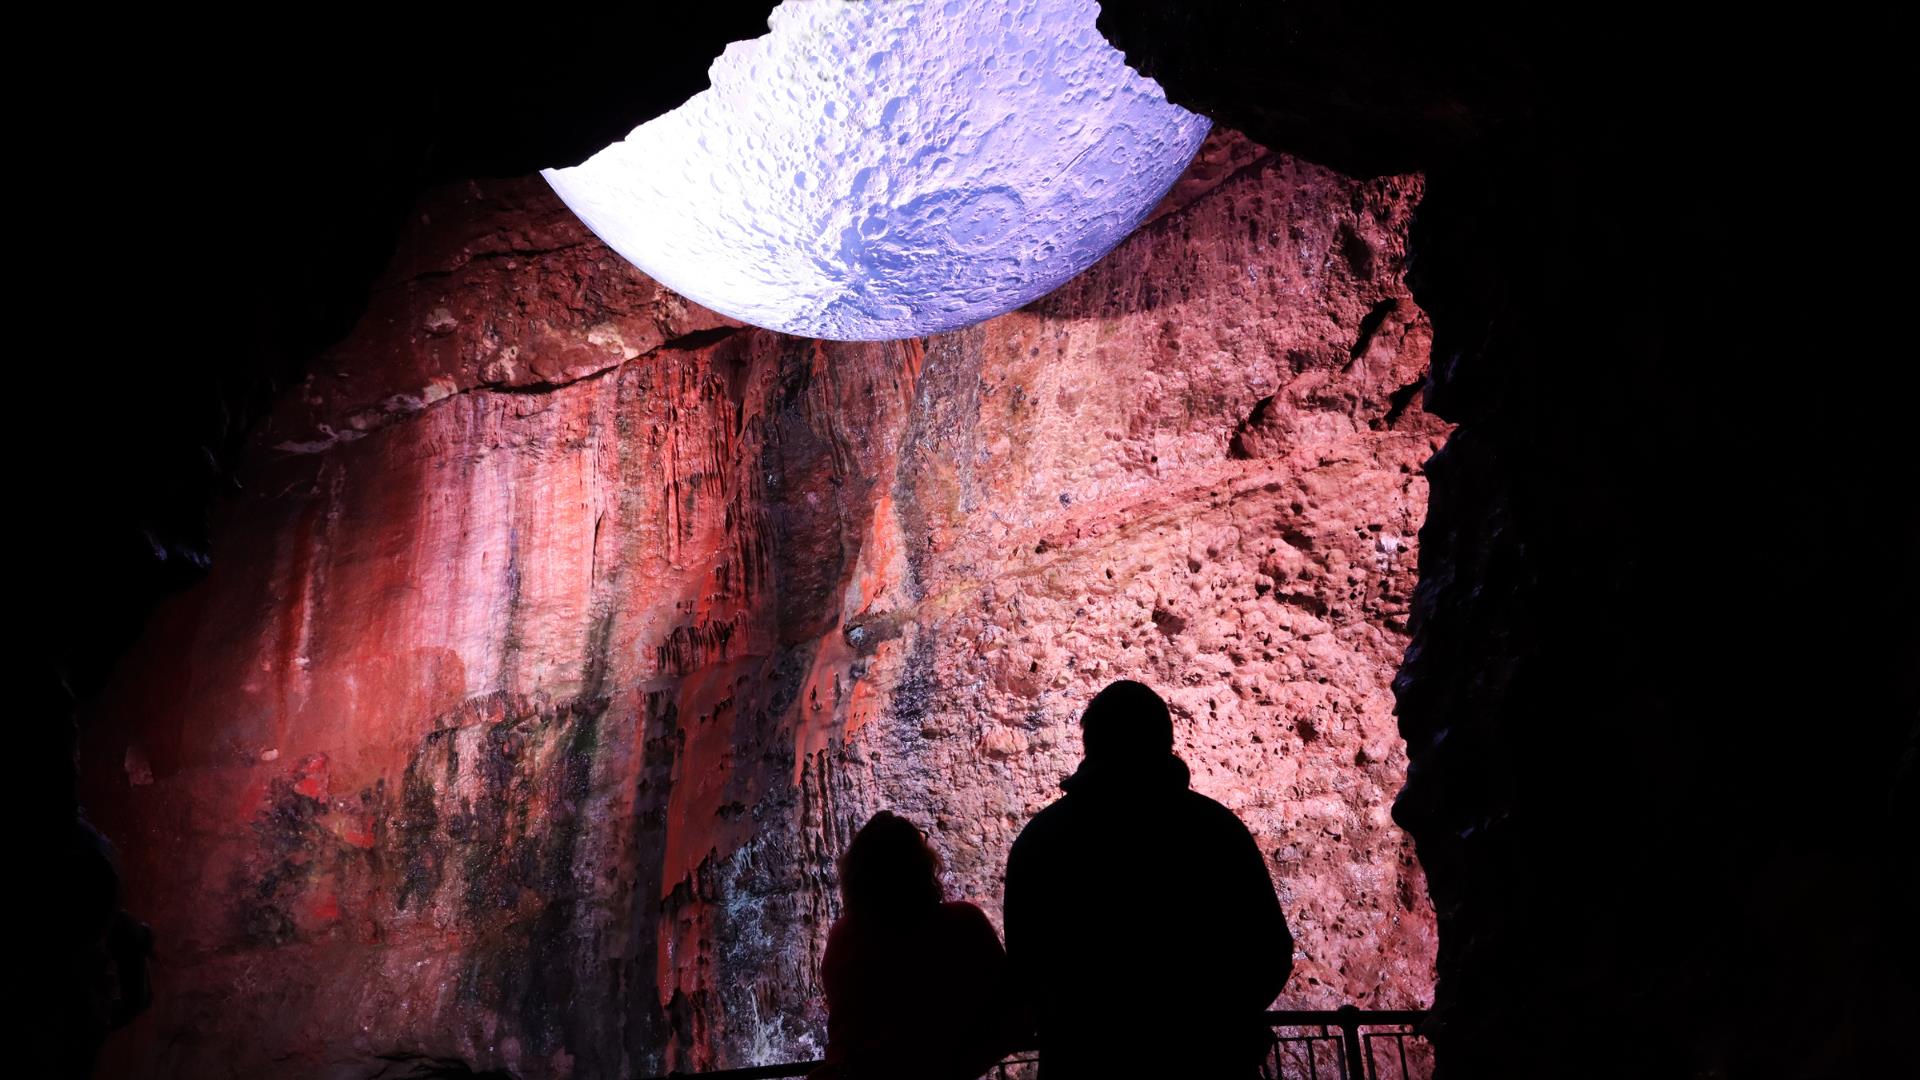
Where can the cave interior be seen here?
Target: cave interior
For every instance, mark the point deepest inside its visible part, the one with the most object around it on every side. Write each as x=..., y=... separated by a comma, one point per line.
x=1613, y=286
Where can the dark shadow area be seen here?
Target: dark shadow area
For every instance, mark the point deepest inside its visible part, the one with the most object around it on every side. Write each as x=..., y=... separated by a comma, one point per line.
x=403, y=1066
x=1662, y=669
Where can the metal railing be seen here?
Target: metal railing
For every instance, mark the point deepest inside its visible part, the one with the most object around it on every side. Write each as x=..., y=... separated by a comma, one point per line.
x=1347, y=1043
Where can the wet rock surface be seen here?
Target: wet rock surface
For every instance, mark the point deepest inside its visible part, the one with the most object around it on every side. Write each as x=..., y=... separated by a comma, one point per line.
x=565, y=631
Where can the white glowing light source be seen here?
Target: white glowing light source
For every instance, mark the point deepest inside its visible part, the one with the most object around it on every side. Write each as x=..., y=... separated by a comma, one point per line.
x=891, y=168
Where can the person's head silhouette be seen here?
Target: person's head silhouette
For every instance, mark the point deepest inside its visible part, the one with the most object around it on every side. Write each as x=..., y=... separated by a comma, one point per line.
x=890, y=869
x=1126, y=722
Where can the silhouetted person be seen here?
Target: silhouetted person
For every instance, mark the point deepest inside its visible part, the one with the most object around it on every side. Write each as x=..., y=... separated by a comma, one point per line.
x=1142, y=926
x=916, y=987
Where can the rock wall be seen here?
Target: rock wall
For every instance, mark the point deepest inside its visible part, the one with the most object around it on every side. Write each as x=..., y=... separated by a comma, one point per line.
x=564, y=632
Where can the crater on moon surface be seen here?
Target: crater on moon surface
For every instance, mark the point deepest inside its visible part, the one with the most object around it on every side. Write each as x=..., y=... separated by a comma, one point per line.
x=874, y=171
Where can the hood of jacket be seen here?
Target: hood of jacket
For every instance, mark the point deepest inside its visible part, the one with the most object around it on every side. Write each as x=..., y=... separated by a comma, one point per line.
x=1098, y=776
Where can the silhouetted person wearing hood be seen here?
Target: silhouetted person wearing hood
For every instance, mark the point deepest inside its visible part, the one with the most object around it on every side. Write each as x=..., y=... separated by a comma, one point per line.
x=1142, y=926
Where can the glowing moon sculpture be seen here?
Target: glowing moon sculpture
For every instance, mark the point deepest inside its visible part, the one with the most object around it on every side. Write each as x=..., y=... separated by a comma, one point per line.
x=891, y=168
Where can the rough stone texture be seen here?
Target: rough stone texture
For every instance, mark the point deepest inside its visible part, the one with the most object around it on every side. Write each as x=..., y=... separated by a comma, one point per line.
x=566, y=630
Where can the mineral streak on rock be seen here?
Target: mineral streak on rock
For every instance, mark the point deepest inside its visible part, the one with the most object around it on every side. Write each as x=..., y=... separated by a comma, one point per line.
x=566, y=630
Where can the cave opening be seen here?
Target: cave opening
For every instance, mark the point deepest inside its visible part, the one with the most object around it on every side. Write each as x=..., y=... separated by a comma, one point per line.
x=548, y=632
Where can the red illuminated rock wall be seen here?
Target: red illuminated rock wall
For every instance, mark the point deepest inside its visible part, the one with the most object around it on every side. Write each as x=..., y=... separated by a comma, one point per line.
x=566, y=630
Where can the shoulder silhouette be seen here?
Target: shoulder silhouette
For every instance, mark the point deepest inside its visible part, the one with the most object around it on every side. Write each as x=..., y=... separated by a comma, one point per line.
x=1142, y=925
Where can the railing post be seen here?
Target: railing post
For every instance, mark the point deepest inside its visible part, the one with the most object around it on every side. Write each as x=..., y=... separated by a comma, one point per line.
x=1350, y=1035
